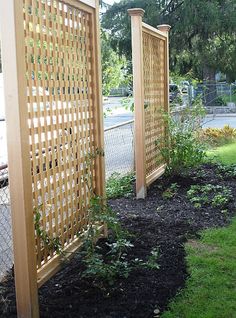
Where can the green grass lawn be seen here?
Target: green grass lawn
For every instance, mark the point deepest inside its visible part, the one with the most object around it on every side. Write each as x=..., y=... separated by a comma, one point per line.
x=225, y=154
x=211, y=289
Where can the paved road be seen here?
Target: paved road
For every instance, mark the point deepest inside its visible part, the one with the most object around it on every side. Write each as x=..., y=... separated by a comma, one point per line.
x=219, y=121
x=115, y=113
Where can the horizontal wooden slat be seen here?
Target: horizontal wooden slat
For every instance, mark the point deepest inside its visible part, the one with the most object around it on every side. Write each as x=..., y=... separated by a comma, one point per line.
x=153, y=31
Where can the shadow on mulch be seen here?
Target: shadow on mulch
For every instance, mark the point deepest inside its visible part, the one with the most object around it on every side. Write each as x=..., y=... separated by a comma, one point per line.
x=153, y=222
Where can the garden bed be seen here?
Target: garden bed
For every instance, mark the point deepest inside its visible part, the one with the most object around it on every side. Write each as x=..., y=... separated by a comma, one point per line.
x=165, y=222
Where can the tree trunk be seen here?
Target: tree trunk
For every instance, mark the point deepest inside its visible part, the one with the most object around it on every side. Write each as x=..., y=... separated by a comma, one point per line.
x=210, y=91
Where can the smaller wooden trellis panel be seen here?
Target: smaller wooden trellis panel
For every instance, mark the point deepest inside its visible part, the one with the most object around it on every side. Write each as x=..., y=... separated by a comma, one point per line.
x=150, y=50
x=52, y=77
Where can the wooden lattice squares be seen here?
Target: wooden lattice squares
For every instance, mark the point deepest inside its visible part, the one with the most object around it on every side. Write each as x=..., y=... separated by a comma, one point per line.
x=154, y=96
x=60, y=92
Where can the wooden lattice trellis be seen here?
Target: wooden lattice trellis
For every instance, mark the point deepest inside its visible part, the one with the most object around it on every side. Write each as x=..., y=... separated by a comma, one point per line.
x=53, y=84
x=154, y=95
x=151, y=95
x=59, y=66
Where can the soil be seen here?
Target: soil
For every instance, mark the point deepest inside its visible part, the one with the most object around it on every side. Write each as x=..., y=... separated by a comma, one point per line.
x=155, y=221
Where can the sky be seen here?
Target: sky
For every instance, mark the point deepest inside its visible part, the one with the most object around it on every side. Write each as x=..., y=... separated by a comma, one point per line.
x=111, y=1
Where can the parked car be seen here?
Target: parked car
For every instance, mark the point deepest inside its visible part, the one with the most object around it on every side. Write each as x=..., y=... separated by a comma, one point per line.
x=174, y=94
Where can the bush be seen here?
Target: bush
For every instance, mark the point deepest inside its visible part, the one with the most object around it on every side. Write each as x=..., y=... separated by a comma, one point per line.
x=180, y=148
x=119, y=186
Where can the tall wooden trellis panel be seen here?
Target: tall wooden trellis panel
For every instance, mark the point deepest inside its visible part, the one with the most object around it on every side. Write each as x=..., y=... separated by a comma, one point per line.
x=55, y=131
x=151, y=97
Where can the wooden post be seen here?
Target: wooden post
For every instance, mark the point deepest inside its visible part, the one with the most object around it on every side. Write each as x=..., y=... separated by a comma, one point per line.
x=13, y=53
x=100, y=180
x=165, y=28
x=100, y=162
x=138, y=93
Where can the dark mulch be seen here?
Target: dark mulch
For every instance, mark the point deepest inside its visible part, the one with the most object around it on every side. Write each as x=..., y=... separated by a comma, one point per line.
x=153, y=222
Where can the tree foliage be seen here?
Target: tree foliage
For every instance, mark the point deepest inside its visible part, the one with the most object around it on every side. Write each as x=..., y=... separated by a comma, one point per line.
x=202, y=37
x=113, y=66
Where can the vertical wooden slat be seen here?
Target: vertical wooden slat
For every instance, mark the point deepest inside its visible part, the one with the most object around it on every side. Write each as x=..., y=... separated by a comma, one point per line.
x=137, y=56
x=165, y=28
x=98, y=125
x=58, y=121
x=13, y=52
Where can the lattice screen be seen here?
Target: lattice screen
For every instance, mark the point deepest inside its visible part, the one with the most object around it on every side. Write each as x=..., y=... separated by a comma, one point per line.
x=154, y=96
x=59, y=63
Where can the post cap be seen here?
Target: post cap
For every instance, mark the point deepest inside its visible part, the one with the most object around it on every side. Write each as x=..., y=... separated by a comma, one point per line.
x=136, y=12
x=164, y=27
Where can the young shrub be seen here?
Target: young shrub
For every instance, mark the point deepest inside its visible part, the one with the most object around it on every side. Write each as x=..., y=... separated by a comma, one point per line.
x=171, y=191
x=104, y=267
x=180, y=148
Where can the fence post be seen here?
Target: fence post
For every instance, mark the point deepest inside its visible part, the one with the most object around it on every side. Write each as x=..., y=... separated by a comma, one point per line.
x=165, y=28
x=138, y=93
x=14, y=72
x=100, y=180
x=98, y=123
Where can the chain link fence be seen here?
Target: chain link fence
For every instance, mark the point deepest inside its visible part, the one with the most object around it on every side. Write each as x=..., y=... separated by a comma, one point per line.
x=6, y=248
x=217, y=97
x=119, y=148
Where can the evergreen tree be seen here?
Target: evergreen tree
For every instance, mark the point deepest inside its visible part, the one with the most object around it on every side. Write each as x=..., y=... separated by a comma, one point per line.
x=202, y=38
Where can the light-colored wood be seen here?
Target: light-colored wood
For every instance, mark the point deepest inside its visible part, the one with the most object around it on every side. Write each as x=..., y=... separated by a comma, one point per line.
x=165, y=28
x=55, y=125
x=151, y=80
x=155, y=175
x=153, y=31
x=98, y=118
x=138, y=93
x=18, y=158
x=64, y=115
x=154, y=94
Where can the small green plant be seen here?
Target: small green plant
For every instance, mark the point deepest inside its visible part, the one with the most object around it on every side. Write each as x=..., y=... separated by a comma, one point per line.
x=170, y=192
x=220, y=200
x=50, y=243
x=107, y=267
x=152, y=261
x=180, y=148
x=226, y=170
x=113, y=264
x=215, y=195
x=119, y=186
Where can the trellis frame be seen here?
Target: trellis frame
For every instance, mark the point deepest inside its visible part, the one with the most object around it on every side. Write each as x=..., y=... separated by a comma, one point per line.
x=13, y=53
x=138, y=30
